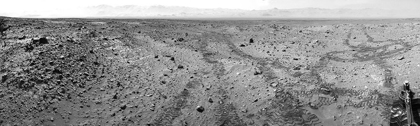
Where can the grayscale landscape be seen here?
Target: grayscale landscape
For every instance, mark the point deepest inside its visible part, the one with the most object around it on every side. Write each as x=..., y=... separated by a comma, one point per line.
x=210, y=63
x=151, y=72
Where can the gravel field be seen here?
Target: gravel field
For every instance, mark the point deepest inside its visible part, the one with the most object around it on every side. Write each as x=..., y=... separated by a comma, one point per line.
x=150, y=72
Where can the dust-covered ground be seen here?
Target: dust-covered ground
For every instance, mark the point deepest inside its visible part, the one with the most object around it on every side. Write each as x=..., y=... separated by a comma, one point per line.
x=204, y=73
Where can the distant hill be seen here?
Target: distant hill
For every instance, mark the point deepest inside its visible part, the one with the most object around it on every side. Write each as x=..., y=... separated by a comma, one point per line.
x=174, y=11
x=132, y=11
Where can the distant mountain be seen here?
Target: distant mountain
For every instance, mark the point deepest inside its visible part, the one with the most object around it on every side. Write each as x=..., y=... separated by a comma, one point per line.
x=133, y=11
x=158, y=11
x=186, y=12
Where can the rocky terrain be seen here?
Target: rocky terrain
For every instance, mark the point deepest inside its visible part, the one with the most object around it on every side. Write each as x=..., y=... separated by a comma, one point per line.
x=204, y=73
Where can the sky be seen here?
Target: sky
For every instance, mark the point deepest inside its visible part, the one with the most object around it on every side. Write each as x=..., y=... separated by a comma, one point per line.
x=75, y=8
x=350, y=4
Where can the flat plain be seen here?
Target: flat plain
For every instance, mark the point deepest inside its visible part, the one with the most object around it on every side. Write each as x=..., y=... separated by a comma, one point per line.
x=205, y=72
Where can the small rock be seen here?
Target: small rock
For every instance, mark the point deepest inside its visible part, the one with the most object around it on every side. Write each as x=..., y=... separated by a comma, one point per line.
x=244, y=110
x=180, y=39
x=274, y=84
x=401, y=58
x=251, y=40
x=149, y=95
x=43, y=41
x=210, y=100
x=200, y=109
x=180, y=67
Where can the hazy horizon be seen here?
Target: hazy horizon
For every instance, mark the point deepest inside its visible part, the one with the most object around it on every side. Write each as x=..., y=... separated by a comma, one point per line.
x=212, y=8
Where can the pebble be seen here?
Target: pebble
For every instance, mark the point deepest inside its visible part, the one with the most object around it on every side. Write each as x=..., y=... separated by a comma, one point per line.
x=274, y=84
x=244, y=110
x=200, y=109
x=210, y=100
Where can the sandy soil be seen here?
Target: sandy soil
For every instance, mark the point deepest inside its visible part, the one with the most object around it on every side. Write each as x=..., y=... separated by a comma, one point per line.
x=204, y=73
